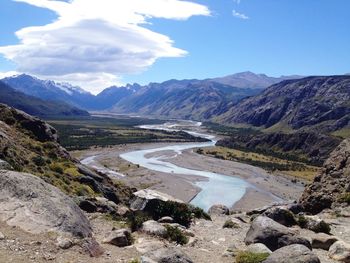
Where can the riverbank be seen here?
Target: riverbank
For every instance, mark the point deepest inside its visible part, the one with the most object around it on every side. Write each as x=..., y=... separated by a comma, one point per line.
x=264, y=188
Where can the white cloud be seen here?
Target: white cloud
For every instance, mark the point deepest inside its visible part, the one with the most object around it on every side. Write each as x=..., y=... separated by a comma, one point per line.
x=8, y=74
x=98, y=39
x=239, y=15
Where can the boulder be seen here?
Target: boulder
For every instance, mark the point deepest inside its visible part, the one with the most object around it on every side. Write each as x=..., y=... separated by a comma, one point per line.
x=166, y=219
x=272, y=234
x=2, y=236
x=317, y=225
x=5, y=165
x=119, y=238
x=293, y=254
x=64, y=243
x=35, y=206
x=322, y=241
x=219, y=210
x=91, y=247
x=340, y=251
x=168, y=255
x=281, y=215
x=258, y=248
x=143, y=199
x=152, y=227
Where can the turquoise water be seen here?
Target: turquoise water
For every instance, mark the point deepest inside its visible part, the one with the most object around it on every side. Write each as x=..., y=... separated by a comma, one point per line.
x=215, y=189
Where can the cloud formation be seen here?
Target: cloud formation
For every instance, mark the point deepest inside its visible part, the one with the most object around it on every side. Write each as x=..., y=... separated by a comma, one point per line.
x=239, y=15
x=94, y=40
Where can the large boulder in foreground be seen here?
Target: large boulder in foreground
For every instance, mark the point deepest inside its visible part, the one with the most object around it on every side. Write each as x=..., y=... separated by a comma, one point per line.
x=272, y=234
x=35, y=206
x=293, y=254
x=332, y=186
x=145, y=199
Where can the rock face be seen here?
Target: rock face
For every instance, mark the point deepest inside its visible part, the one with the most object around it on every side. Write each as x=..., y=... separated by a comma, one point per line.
x=340, y=251
x=272, y=234
x=219, y=210
x=35, y=206
x=293, y=254
x=332, y=184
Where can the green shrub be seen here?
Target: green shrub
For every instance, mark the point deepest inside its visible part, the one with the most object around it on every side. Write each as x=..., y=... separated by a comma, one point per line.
x=136, y=219
x=39, y=161
x=250, y=257
x=57, y=167
x=322, y=227
x=84, y=190
x=135, y=260
x=345, y=198
x=230, y=224
x=174, y=234
x=302, y=221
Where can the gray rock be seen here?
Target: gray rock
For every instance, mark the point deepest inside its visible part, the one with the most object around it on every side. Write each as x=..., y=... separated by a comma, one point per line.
x=166, y=219
x=322, y=241
x=317, y=225
x=272, y=234
x=143, y=197
x=64, y=243
x=147, y=260
x=91, y=247
x=119, y=238
x=2, y=236
x=293, y=254
x=258, y=248
x=281, y=215
x=35, y=206
x=168, y=255
x=152, y=227
x=340, y=251
x=5, y=165
x=219, y=210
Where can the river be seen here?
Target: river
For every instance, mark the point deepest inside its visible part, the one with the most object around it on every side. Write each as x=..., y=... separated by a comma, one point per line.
x=215, y=188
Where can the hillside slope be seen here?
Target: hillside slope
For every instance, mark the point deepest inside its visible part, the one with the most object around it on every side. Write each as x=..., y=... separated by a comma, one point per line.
x=35, y=106
x=185, y=99
x=320, y=103
x=332, y=186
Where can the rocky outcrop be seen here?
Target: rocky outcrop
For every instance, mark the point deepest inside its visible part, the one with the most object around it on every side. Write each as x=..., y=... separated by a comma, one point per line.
x=144, y=199
x=152, y=227
x=332, y=186
x=219, y=210
x=35, y=206
x=293, y=254
x=272, y=234
x=119, y=238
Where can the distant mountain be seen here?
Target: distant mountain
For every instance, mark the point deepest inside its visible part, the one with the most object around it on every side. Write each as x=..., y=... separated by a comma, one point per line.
x=185, y=99
x=311, y=103
x=112, y=95
x=50, y=90
x=251, y=80
x=35, y=106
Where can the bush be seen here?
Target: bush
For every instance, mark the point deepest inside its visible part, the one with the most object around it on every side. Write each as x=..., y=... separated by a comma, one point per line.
x=345, y=198
x=175, y=234
x=10, y=121
x=57, y=167
x=230, y=224
x=136, y=219
x=39, y=161
x=302, y=221
x=250, y=257
x=84, y=190
x=322, y=227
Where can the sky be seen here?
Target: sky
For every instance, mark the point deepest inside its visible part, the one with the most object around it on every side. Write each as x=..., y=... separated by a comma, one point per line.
x=99, y=43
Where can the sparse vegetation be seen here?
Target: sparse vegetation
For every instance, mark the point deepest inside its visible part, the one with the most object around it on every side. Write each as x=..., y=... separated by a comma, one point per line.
x=250, y=257
x=174, y=234
x=345, y=198
x=230, y=224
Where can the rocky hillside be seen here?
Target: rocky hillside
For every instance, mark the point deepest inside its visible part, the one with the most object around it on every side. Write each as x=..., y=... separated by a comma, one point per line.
x=330, y=189
x=311, y=103
x=36, y=106
x=185, y=99
x=30, y=145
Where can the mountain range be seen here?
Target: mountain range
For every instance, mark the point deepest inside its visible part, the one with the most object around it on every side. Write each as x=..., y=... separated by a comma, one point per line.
x=36, y=106
x=310, y=103
x=190, y=99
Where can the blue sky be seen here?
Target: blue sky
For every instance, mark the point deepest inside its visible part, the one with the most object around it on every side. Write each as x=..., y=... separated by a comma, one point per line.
x=276, y=37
